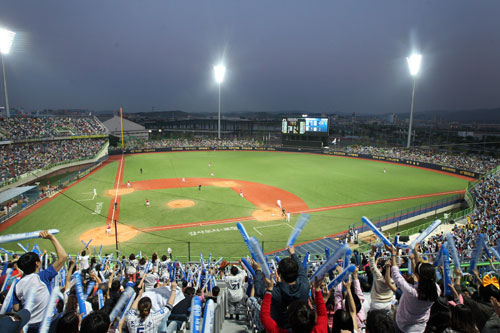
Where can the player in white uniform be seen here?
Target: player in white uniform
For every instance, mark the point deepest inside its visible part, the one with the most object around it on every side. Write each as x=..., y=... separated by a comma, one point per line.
x=141, y=319
x=183, y=179
x=148, y=204
x=241, y=194
x=95, y=192
x=128, y=184
x=278, y=202
x=288, y=216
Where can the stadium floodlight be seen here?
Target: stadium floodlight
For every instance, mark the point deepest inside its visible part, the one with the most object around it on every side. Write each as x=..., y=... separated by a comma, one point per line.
x=219, y=71
x=414, y=62
x=6, y=39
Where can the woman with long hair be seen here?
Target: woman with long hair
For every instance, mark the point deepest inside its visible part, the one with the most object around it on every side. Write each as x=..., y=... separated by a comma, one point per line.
x=141, y=318
x=416, y=302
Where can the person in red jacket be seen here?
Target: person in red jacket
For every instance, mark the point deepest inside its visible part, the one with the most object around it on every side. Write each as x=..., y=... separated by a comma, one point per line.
x=300, y=314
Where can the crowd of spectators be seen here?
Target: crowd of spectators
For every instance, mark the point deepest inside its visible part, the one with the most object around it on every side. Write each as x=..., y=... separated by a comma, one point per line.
x=194, y=142
x=156, y=294
x=469, y=162
x=20, y=158
x=27, y=128
x=485, y=218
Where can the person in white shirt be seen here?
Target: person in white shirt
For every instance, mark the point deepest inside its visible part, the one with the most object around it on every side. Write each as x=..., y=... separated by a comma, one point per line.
x=235, y=283
x=84, y=260
x=141, y=318
x=36, y=281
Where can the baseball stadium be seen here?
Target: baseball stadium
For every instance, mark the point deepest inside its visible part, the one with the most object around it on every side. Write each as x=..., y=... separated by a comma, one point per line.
x=197, y=197
x=245, y=166
x=189, y=199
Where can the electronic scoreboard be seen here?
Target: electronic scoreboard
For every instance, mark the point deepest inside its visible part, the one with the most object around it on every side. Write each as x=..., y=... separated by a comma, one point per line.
x=304, y=126
x=309, y=132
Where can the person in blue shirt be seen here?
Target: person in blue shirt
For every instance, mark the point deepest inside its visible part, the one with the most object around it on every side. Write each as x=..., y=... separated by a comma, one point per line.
x=37, y=281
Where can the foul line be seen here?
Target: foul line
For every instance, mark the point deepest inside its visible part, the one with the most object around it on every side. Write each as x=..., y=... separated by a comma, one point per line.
x=312, y=210
x=374, y=202
x=272, y=225
x=116, y=191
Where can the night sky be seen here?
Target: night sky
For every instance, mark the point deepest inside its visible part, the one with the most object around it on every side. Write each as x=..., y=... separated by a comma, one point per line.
x=319, y=56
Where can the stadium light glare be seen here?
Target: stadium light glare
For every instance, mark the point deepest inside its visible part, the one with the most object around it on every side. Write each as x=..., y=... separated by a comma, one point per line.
x=219, y=72
x=6, y=39
x=414, y=62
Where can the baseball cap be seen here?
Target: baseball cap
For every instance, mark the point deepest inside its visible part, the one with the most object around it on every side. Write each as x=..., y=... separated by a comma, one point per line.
x=14, y=322
x=149, y=281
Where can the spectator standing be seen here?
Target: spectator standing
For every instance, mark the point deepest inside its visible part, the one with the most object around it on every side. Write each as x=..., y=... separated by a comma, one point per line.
x=36, y=281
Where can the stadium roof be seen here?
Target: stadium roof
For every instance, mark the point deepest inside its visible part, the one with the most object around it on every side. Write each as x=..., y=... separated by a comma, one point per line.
x=14, y=192
x=114, y=125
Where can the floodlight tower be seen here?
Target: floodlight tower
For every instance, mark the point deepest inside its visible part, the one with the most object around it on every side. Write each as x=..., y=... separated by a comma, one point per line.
x=219, y=71
x=414, y=64
x=6, y=39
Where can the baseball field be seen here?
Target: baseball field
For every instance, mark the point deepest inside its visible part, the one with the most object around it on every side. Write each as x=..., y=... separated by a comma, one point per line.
x=236, y=186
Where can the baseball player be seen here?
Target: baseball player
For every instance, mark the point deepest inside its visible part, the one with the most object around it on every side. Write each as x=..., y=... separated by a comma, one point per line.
x=278, y=202
x=148, y=204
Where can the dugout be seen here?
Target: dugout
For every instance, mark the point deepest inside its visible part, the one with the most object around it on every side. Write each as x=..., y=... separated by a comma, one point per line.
x=16, y=199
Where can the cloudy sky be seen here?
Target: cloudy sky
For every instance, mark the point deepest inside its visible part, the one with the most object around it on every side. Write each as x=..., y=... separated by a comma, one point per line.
x=319, y=56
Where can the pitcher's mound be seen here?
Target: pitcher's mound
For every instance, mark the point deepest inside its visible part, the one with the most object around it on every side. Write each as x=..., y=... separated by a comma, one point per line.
x=99, y=236
x=180, y=203
x=121, y=191
x=267, y=214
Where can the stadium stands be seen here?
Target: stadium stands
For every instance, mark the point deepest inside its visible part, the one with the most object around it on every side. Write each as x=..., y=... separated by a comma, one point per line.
x=27, y=128
x=32, y=143
x=133, y=143
x=471, y=162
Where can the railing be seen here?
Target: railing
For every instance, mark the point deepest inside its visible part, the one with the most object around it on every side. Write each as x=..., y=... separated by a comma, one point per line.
x=405, y=214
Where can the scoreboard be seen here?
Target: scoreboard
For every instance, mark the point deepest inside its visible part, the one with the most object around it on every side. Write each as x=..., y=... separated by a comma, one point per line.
x=303, y=126
x=304, y=132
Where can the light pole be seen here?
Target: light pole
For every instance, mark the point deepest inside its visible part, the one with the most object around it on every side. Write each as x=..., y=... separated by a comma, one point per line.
x=414, y=65
x=219, y=71
x=6, y=39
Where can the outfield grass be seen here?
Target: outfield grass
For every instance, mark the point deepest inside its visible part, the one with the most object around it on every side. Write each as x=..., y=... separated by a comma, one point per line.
x=318, y=180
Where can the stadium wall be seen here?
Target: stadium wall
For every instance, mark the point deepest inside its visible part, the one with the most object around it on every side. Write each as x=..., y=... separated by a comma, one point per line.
x=425, y=165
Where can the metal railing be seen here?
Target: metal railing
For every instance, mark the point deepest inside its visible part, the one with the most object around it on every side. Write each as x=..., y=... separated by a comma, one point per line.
x=405, y=214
